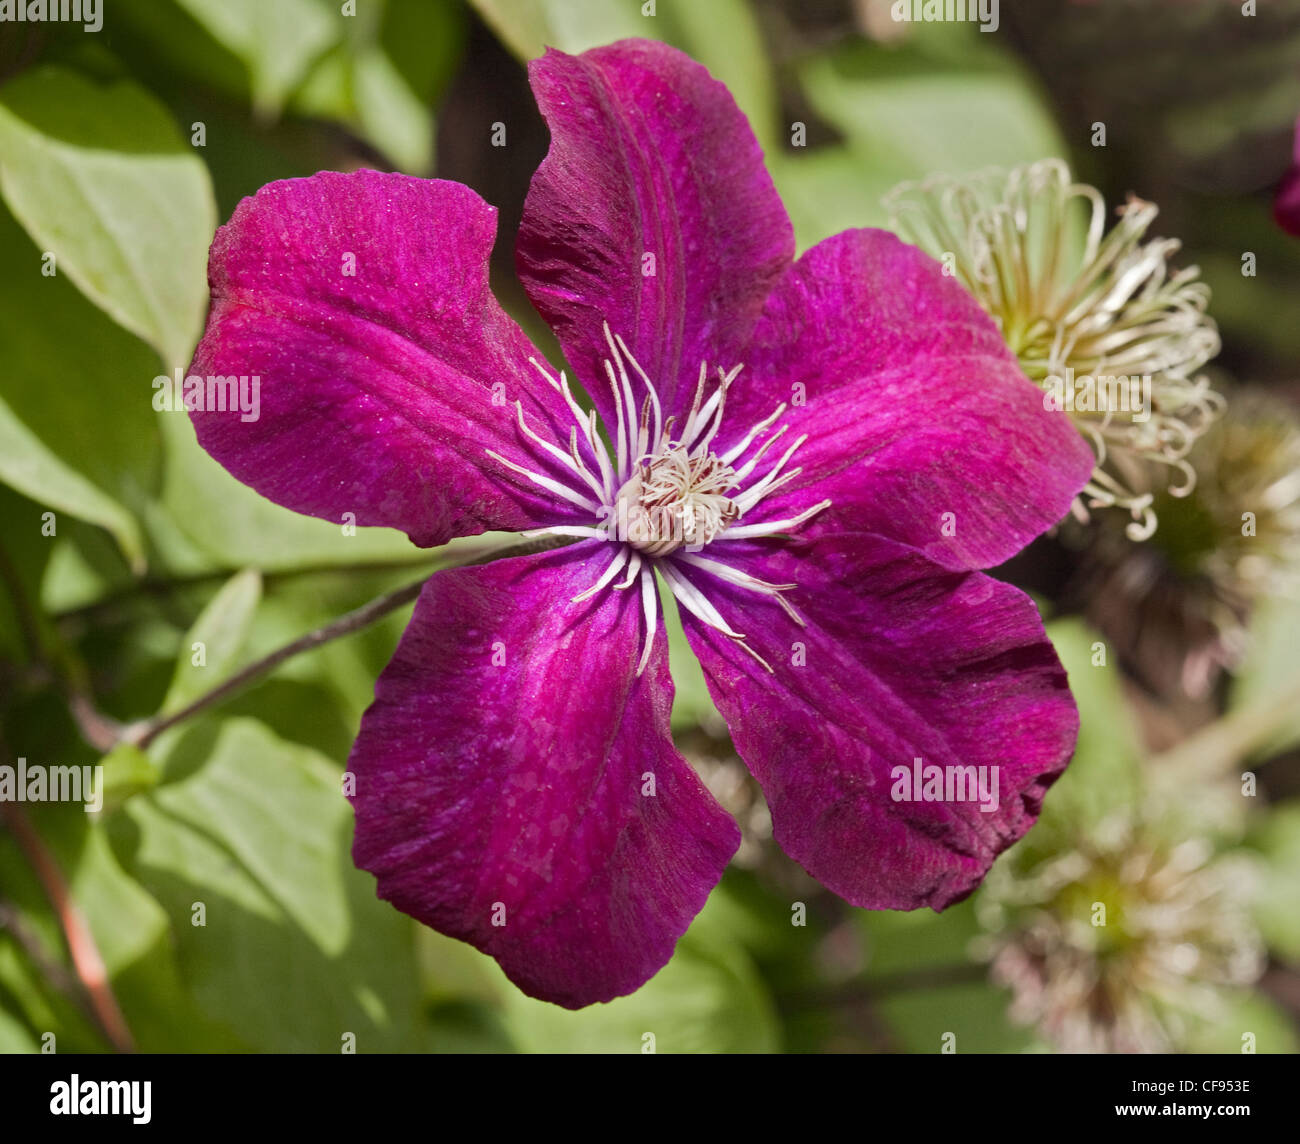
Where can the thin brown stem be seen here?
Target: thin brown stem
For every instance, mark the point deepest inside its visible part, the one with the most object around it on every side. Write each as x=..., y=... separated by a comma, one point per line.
x=55, y=972
x=1214, y=750
x=164, y=586
x=143, y=733
x=86, y=960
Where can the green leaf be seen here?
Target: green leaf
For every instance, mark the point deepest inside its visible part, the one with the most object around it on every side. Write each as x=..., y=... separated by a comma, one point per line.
x=127, y=771
x=276, y=41
x=28, y=466
x=707, y=999
x=14, y=1035
x=1105, y=773
x=382, y=80
x=125, y=920
x=947, y=102
x=1271, y=669
x=99, y=176
x=24, y=557
x=918, y=1015
x=220, y=629
x=529, y=27
x=1246, y=1013
x=723, y=35
x=1277, y=903
x=235, y=525
x=256, y=831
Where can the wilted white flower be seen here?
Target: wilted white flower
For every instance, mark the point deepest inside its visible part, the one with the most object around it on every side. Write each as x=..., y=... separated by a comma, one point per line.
x=1081, y=305
x=1121, y=943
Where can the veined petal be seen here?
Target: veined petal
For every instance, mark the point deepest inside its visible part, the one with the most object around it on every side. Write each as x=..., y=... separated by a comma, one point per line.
x=921, y=426
x=900, y=660
x=652, y=211
x=517, y=786
x=361, y=302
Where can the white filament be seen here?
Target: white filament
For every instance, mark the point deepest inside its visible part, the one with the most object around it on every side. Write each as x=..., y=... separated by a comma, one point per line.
x=658, y=474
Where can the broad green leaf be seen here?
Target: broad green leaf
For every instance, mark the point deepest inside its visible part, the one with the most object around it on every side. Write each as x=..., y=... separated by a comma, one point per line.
x=1246, y=1014
x=236, y=525
x=14, y=1035
x=1270, y=673
x=723, y=35
x=529, y=27
x=256, y=831
x=99, y=176
x=384, y=77
x=25, y=555
x=832, y=189
x=125, y=920
x=358, y=85
x=276, y=41
x=1277, y=903
x=28, y=466
x=955, y=999
x=707, y=999
x=1105, y=772
x=975, y=1013
x=127, y=771
x=948, y=101
x=215, y=639
x=75, y=378
x=390, y=114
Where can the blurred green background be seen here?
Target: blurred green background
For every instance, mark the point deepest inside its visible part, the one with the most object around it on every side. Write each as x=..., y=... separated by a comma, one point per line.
x=122, y=150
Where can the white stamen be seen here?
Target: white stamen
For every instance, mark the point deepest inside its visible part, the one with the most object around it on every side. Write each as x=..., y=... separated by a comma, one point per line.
x=545, y=482
x=729, y=457
x=748, y=466
x=694, y=601
x=745, y=580
x=634, y=567
x=671, y=494
x=772, y=527
x=650, y=606
x=615, y=566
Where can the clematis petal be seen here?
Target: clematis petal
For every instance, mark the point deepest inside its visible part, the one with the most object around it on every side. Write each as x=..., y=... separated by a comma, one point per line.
x=361, y=302
x=913, y=406
x=652, y=211
x=503, y=780
x=900, y=660
x=1286, y=199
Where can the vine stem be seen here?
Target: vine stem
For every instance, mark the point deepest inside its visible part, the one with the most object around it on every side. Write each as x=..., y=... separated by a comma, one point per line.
x=86, y=960
x=1228, y=740
x=143, y=733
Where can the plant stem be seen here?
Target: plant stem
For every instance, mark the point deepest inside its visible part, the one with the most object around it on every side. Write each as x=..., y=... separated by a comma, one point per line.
x=1215, y=749
x=86, y=959
x=145, y=732
x=55, y=664
x=157, y=586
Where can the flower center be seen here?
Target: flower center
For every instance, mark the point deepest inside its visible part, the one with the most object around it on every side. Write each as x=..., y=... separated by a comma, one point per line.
x=674, y=500
x=664, y=493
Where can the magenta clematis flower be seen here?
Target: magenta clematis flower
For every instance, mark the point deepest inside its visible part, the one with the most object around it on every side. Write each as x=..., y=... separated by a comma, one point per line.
x=1286, y=199
x=815, y=456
